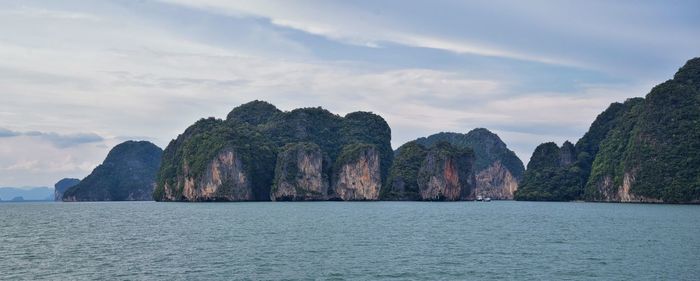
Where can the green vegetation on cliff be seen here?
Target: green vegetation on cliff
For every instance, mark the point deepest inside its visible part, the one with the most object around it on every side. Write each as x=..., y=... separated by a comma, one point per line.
x=551, y=175
x=190, y=154
x=487, y=146
x=402, y=183
x=657, y=149
x=287, y=165
x=254, y=113
x=257, y=131
x=414, y=165
x=641, y=150
x=128, y=173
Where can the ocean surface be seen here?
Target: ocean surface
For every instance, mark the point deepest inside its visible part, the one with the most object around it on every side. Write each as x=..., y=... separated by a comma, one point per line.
x=497, y=240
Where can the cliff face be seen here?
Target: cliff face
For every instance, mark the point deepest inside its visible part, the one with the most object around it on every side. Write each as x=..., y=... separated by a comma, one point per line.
x=495, y=182
x=446, y=174
x=358, y=174
x=607, y=191
x=278, y=155
x=61, y=186
x=567, y=154
x=299, y=174
x=498, y=169
x=127, y=174
x=224, y=179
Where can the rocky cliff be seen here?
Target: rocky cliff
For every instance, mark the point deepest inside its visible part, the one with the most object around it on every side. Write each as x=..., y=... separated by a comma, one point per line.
x=61, y=186
x=642, y=150
x=442, y=172
x=299, y=174
x=446, y=174
x=357, y=173
x=498, y=170
x=224, y=179
x=496, y=181
x=294, y=155
x=127, y=174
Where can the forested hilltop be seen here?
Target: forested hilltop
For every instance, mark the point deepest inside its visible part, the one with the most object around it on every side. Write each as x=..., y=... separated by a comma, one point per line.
x=642, y=150
x=127, y=174
x=261, y=153
x=495, y=173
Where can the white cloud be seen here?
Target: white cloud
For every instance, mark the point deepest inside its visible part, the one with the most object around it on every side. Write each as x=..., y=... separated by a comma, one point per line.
x=32, y=161
x=126, y=76
x=58, y=140
x=41, y=13
x=359, y=27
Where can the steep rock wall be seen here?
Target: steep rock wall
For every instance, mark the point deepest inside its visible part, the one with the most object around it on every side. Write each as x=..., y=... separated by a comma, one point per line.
x=495, y=182
x=224, y=179
x=359, y=176
x=299, y=174
x=446, y=174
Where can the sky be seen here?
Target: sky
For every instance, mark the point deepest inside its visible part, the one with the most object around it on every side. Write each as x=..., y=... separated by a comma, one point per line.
x=79, y=77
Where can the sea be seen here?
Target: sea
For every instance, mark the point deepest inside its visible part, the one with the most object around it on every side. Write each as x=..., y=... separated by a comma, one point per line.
x=498, y=240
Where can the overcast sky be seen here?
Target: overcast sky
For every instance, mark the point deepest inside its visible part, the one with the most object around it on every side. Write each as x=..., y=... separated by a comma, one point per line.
x=78, y=77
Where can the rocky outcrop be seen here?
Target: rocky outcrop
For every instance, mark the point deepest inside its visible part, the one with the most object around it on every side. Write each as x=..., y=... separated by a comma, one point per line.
x=127, y=174
x=358, y=174
x=61, y=186
x=224, y=179
x=567, y=154
x=497, y=168
x=446, y=174
x=608, y=192
x=303, y=154
x=299, y=174
x=495, y=182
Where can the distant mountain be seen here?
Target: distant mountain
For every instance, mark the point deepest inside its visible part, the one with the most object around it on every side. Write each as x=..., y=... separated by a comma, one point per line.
x=127, y=174
x=32, y=193
x=642, y=150
x=61, y=186
x=497, y=169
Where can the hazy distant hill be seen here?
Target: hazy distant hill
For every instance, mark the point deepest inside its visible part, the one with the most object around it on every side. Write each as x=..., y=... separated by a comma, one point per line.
x=27, y=193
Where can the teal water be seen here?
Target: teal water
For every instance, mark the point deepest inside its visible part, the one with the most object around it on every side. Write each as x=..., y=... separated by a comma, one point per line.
x=349, y=241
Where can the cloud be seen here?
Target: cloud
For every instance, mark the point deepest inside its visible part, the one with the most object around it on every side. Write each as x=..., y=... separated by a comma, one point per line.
x=58, y=140
x=368, y=34
x=615, y=38
x=7, y=133
x=33, y=12
x=151, y=68
x=32, y=161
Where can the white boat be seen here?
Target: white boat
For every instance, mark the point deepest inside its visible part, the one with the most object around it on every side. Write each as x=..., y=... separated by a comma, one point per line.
x=479, y=198
x=487, y=199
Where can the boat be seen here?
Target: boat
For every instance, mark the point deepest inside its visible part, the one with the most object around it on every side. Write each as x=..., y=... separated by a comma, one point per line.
x=487, y=199
x=479, y=198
